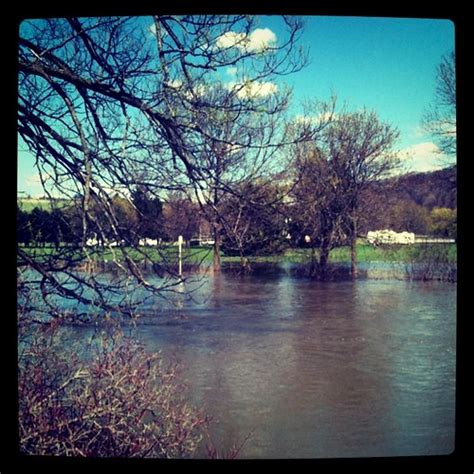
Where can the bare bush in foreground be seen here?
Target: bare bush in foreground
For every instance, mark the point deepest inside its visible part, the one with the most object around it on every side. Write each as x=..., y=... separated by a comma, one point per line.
x=121, y=402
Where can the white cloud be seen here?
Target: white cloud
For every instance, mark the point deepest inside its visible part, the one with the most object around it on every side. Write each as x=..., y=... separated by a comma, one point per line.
x=261, y=39
x=230, y=39
x=174, y=84
x=422, y=157
x=179, y=87
x=257, y=41
x=418, y=132
x=253, y=89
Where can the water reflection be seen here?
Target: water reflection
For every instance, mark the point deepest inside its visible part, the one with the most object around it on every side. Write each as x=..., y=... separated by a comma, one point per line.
x=314, y=369
x=319, y=369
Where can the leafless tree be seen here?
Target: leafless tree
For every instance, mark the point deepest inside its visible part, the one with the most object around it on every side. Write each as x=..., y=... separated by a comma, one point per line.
x=361, y=151
x=440, y=119
x=108, y=104
x=240, y=149
x=354, y=150
x=317, y=209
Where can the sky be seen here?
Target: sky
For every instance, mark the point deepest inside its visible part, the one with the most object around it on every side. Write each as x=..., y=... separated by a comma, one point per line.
x=387, y=65
x=384, y=64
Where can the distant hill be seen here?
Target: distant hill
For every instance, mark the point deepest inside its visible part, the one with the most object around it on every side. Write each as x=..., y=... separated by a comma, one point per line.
x=405, y=202
x=430, y=189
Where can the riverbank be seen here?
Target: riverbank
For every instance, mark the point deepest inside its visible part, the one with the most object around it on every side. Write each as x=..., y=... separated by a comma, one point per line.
x=416, y=253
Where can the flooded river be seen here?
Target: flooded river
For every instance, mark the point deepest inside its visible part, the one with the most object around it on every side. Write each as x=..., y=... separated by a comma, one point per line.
x=315, y=369
x=311, y=369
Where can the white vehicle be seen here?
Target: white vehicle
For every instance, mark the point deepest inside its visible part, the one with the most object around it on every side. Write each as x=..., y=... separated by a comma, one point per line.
x=147, y=242
x=387, y=236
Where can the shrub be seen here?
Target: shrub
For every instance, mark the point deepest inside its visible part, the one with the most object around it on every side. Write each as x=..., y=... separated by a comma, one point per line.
x=444, y=222
x=120, y=402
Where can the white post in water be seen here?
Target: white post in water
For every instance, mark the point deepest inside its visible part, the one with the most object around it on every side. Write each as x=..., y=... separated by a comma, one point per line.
x=180, y=244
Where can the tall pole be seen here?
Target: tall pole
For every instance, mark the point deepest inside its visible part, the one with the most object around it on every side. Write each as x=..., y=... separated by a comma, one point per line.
x=180, y=263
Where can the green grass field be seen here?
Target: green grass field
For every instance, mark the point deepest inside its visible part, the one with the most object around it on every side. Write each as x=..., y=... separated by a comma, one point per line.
x=396, y=253
x=366, y=253
x=28, y=204
x=195, y=255
x=165, y=254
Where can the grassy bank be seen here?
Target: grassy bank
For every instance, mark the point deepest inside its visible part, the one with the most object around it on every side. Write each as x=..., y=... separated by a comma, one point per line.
x=194, y=255
x=365, y=254
x=165, y=254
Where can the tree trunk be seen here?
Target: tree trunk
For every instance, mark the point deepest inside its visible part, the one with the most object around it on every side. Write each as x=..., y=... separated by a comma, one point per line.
x=217, y=249
x=244, y=264
x=312, y=266
x=323, y=261
x=354, y=249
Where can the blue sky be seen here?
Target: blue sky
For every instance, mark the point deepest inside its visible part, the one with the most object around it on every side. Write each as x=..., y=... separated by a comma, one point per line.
x=384, y=64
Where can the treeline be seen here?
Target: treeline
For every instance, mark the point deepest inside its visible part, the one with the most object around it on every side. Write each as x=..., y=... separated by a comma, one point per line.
x=266, y=229
x=263, y=227
x=142, y=216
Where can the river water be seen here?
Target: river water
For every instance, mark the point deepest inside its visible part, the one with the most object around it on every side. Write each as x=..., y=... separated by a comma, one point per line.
x=312, y=369
x=315, y=369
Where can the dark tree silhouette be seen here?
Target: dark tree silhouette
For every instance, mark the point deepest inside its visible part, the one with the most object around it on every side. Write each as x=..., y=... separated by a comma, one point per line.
x=109, y=104
x=440, y=119
x=354, y=150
